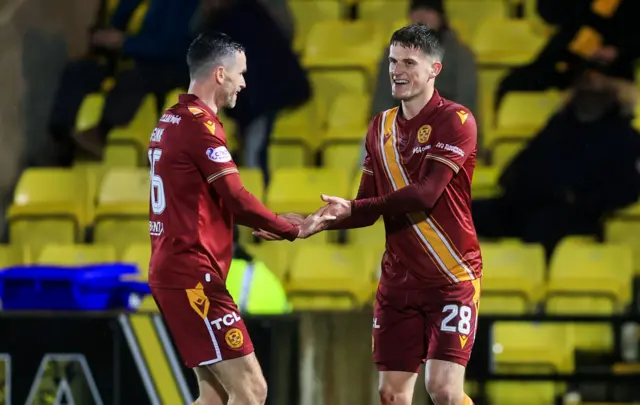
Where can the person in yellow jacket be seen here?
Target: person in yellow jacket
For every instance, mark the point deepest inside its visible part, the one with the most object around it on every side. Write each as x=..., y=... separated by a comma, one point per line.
x=254, y=288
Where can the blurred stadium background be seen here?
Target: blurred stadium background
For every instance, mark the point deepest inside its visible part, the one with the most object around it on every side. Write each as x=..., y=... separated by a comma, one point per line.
x=558, y=331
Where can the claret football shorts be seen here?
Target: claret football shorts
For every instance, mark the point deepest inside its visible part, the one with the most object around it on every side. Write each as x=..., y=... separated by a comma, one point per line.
x=412, y=326
x=205, y=324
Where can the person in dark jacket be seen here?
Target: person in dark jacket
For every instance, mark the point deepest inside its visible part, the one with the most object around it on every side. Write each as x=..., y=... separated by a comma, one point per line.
x=275, y=78
x=591, y=34
x=582, y=166
x=151, y=61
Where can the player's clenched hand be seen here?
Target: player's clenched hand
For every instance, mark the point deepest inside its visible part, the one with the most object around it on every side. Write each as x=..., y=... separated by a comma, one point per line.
x=336, y=206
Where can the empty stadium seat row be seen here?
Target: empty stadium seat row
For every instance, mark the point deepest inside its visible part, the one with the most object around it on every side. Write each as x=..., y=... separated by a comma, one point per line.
x=582, y=279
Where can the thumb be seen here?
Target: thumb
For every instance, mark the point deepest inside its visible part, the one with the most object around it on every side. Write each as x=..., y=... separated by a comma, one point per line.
x=330, y=199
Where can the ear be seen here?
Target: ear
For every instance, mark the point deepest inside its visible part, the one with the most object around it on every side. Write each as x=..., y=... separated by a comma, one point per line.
x=437, y=68
x=218, y=74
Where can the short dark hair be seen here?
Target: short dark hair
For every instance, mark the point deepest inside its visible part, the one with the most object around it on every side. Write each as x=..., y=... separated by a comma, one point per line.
x=418, y=36
x=208, y=50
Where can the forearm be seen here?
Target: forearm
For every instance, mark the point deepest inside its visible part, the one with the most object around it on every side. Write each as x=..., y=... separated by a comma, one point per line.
x=367, y=189
x=354, y=221
x=249, y=211
x=421, y=196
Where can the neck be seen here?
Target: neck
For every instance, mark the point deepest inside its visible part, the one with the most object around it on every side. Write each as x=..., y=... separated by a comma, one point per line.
x=204, y=93
x=411, y=108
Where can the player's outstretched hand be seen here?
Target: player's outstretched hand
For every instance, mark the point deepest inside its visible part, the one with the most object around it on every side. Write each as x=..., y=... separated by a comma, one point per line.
x=316, y=222
x=336, y=206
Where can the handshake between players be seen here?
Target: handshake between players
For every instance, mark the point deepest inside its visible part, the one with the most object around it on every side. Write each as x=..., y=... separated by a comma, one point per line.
x=335, y=210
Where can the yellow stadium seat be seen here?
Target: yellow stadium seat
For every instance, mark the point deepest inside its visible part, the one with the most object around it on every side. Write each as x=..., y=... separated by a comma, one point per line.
x=11, y=255
x=139, y=254
x=253, y=181
x=373, y=235
x=597, y=337
x=276, y=256
x=324, y=277
x=360, y=46
x=513, y=277
x=35, y=233
x=342, y=156
x=307, y=13
x=506, y=42
x=385, y=11
x=48, y=202
x=171, y=98
x=120, y=233
x=352, y=136
x=522, y=393
x=70, y=255
x=283, y=155
x=138, y=131
x=577, y=240
x=503, y=152
x=471, y=13
x=528, y=347
x=631, y=212
x=590, y=269
x=121, y=156
x=299, y=190
x=90, y=112
x=124, y=193
x=485, y=182
x=300, y=125
x=489, y=79
x=462, y=29
x=329, y=84
x=91, y=174
x=230, y=129
x=349, y=111
x=523, y=114
x=625, y=231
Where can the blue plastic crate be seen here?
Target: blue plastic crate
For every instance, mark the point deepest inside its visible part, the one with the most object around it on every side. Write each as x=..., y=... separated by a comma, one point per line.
x=96, y=287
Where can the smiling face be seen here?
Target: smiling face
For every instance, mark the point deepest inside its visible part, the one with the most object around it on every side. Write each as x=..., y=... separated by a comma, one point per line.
x=411, y=71
x=230, y=77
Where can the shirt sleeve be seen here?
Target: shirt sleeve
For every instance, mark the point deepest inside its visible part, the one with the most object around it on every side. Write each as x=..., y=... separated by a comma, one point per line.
x=208, y=150
x=456, y=141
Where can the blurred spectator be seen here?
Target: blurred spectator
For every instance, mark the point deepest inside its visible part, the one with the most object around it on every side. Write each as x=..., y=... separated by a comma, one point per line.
x=600, y=34
x=281, y=13
x=583, y=165
x=254, y=288
x=151, y=62
x=275, y=79
x=458, y=79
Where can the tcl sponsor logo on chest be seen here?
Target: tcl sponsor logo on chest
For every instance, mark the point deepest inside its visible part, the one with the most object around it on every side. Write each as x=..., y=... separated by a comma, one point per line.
x=450, y=148
x=226, y=320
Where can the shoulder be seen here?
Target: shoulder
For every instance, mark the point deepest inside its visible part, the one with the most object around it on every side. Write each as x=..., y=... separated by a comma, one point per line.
x=198, y=120
x=456, y=115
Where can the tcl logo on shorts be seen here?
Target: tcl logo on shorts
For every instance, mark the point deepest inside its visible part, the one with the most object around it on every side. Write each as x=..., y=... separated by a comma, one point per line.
x=227, y=320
